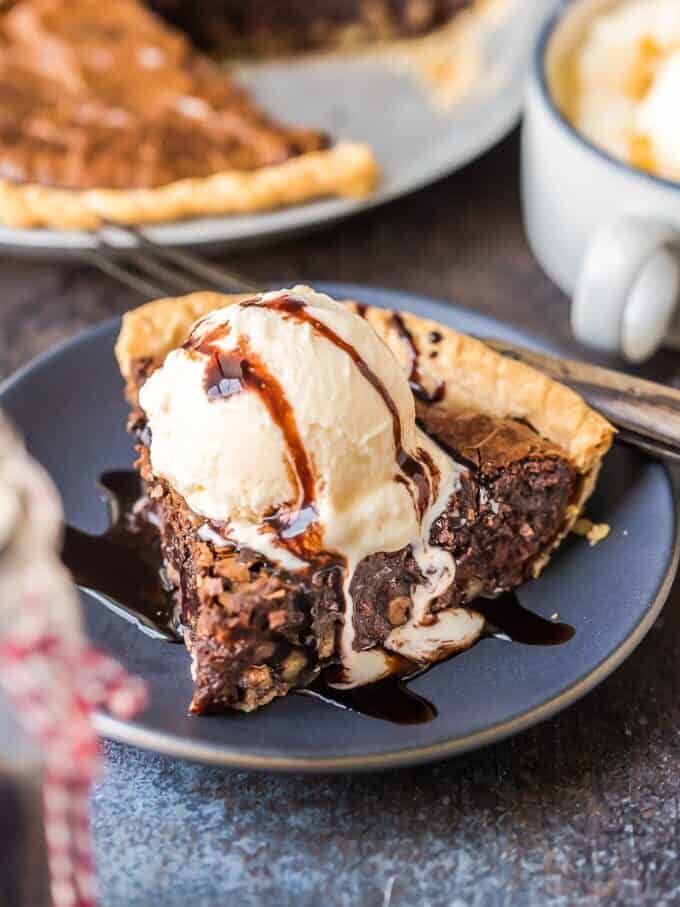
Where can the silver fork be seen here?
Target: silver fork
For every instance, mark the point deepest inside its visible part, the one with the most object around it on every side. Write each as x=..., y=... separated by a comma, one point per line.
x=155, y=270
x=646, y=414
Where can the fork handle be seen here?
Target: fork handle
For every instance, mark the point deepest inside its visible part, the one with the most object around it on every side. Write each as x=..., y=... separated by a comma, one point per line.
x=641, y=407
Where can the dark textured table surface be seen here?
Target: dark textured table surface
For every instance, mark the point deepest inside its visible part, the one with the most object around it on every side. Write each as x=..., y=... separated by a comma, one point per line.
x=582, y=810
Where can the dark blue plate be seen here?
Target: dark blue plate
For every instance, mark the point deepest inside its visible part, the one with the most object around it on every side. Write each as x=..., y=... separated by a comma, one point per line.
x=69, y=406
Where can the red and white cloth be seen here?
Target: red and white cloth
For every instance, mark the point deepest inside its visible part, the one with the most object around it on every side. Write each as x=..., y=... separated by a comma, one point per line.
x=55, y=682
x=48, y=671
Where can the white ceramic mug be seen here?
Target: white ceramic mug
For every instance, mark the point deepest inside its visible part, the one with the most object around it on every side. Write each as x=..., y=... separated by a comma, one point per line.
x=605, y=232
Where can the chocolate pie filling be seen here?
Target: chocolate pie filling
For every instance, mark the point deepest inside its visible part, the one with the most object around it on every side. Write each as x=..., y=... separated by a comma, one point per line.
x=105, y=95
x=255, y=630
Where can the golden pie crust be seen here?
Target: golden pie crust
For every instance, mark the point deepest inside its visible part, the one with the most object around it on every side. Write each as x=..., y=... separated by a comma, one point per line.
x=346, y=169
x=477, y=379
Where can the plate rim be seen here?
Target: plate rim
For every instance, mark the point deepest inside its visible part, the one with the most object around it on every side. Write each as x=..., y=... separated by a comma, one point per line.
x=175, y=746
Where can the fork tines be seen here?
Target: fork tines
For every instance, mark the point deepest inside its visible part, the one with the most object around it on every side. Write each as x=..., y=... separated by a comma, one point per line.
x=156, y=270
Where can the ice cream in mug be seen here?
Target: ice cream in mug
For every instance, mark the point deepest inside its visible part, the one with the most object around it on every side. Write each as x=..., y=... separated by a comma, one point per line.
x=625, y=84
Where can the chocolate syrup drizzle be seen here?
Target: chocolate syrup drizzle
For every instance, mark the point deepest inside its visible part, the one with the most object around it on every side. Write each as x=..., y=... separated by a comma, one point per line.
x=231, y=372
x=234, y=371
x=415, y=378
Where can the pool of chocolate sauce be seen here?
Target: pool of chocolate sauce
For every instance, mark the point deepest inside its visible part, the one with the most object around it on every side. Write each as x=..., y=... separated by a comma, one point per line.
x=124, y=566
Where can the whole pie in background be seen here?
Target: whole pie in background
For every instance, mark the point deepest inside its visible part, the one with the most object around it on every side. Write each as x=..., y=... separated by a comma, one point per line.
x=108, y=113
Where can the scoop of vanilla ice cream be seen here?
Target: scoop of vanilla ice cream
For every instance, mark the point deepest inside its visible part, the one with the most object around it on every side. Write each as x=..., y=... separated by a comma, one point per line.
x=659, y=116
x=230, y=459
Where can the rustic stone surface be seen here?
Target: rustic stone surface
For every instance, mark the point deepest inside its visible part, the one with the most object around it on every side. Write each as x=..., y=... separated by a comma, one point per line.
x=583, y=810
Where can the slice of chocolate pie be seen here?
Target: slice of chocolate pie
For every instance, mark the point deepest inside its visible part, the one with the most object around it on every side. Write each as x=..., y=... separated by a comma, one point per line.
x=316, y=512
x=108, y=113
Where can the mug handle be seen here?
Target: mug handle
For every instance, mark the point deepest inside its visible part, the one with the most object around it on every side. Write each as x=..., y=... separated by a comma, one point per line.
x=628, y=287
